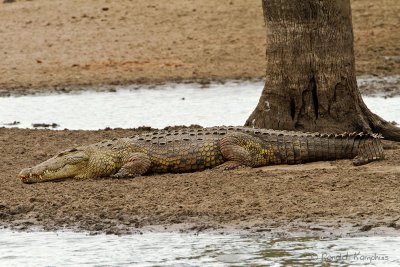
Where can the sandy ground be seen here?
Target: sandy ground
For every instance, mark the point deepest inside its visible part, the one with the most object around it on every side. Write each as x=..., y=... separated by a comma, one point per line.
x=63, y=45
x=59, y=45
x=319, y=197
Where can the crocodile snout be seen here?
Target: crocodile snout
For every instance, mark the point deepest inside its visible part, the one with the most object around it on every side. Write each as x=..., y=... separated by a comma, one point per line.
x=25, y=174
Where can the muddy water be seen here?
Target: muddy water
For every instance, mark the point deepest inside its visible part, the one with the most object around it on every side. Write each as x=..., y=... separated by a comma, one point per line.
x=183, y=104
x=179, y=249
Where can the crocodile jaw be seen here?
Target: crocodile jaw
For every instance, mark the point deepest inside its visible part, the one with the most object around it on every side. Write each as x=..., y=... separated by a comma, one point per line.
x=32, y=175
x=56, y=168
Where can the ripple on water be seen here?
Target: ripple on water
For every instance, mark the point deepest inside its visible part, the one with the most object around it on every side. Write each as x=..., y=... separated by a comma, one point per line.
x=183, y=249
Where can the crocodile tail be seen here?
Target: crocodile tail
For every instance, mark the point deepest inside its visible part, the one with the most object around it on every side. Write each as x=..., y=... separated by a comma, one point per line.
x=294, y=147
x=369, y=148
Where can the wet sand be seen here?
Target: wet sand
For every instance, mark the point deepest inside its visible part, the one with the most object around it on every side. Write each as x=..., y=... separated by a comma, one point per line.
x=322, y=197
x=48, y=46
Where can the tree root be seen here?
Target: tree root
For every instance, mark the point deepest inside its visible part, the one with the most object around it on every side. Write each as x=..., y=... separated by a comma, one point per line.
x=379, y=125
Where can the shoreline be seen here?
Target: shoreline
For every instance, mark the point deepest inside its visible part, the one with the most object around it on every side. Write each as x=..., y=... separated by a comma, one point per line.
x=322, y=228
x=111, y=87
x=369, y=85
x=287, y=228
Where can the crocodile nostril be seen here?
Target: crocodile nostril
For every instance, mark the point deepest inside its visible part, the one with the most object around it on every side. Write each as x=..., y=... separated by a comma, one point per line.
x=24, y=173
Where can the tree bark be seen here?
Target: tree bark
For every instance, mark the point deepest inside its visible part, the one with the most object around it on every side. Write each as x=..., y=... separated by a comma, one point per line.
x=310, y=78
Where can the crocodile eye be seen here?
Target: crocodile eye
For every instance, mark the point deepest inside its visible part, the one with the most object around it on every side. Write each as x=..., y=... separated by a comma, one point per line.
x=74, y=159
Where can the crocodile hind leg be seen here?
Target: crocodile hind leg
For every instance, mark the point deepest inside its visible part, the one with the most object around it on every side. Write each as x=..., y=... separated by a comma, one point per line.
x=241, y=149
x=137, y=164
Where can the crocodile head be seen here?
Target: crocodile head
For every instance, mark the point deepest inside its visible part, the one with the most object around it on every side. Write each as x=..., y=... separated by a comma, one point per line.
x=67, y=164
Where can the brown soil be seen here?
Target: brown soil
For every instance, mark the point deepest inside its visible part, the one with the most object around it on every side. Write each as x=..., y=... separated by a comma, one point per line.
x=53, y=44
x=61, y=45
x=309, y=197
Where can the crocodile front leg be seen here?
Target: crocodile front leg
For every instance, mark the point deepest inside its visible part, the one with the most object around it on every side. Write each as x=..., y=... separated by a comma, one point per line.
x=138, y=164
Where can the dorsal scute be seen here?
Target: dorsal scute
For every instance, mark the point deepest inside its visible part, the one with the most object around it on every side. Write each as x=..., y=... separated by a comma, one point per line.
x=199, y=134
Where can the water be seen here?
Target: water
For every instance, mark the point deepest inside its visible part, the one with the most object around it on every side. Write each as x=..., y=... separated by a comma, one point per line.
x=179, y=249
x=182, y=104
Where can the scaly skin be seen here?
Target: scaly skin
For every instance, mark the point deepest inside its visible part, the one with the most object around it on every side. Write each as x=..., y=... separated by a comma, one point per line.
x=192, y=150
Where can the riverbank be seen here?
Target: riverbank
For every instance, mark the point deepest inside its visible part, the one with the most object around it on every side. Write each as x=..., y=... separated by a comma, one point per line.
x=60, y=45
x=321, y=198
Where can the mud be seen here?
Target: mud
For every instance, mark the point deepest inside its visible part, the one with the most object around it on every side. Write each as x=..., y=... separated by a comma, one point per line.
x=379, y=86
x=49, y=45
x=323, y=197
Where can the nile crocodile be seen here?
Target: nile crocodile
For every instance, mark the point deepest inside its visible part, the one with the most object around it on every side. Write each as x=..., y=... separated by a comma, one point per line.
x=190, y=150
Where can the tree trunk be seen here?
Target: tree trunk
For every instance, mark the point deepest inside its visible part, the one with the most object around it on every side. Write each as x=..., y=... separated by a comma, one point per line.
x=310, y=80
